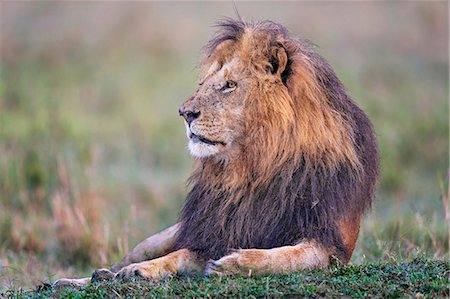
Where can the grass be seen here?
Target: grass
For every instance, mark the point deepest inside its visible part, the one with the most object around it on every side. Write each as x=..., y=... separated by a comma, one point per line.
x=416, y=278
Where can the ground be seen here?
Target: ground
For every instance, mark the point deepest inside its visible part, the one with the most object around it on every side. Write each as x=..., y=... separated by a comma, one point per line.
x=418, y=278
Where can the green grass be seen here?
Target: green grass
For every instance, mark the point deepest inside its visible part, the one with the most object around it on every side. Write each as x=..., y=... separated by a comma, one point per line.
x=416, y=278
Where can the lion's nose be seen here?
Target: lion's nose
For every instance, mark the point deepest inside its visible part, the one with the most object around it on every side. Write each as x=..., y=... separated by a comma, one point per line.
x=189, y=115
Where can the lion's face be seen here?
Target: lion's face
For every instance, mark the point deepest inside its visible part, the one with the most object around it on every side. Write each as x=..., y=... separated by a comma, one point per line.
x=260, y=102
x=214, y=113
x=232, y=100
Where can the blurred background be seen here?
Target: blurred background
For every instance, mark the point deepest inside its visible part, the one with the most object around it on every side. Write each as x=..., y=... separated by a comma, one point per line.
x=93, y=153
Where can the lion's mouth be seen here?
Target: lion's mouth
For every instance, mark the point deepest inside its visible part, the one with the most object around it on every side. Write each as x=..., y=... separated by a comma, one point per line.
x=198, y=138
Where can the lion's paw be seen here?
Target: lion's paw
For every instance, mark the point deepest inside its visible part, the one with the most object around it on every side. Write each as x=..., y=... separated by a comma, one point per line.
x=145, y=270
x=241, y=262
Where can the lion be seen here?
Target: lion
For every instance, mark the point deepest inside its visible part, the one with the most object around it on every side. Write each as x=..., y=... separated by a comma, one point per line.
x=286, y=164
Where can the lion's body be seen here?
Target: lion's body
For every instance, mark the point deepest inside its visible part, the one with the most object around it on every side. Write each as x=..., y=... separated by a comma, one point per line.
x=307, y=161
x=286, y=163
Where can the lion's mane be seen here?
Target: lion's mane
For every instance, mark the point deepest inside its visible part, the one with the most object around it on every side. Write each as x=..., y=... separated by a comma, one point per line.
x=308, y=160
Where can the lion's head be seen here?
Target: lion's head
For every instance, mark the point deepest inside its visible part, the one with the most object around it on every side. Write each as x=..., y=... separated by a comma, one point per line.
x=283, y=152
x=260, y=102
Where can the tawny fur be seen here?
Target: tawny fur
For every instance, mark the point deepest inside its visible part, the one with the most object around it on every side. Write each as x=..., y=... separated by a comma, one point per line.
x=177, y=262
x=153, y=247
x=349, y=228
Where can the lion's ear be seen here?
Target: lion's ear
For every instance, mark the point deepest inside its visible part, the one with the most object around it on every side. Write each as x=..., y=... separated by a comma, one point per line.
x=278, y=60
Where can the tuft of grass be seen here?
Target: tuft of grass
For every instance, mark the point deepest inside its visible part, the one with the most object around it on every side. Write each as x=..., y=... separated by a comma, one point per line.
x=420, y=277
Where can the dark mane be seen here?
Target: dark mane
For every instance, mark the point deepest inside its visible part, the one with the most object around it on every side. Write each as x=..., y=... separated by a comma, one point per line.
x=228, y=29
x=305, y=198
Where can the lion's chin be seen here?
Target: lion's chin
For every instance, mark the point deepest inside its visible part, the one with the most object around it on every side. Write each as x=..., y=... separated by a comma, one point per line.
x=201, y=149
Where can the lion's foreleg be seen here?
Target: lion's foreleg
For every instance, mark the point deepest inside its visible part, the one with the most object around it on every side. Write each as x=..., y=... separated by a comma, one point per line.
x=71, y=282
x=153, y=247
x=180, y=261
x=280, y=260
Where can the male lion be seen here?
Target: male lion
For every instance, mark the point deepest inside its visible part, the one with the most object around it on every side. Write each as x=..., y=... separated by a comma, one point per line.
x=286, y=164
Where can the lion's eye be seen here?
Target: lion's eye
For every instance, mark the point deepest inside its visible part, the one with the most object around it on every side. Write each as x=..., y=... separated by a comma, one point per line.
x=229, y=86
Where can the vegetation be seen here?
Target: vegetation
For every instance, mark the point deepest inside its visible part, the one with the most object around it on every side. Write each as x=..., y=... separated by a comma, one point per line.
x=92, y=151
x=417, y=278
